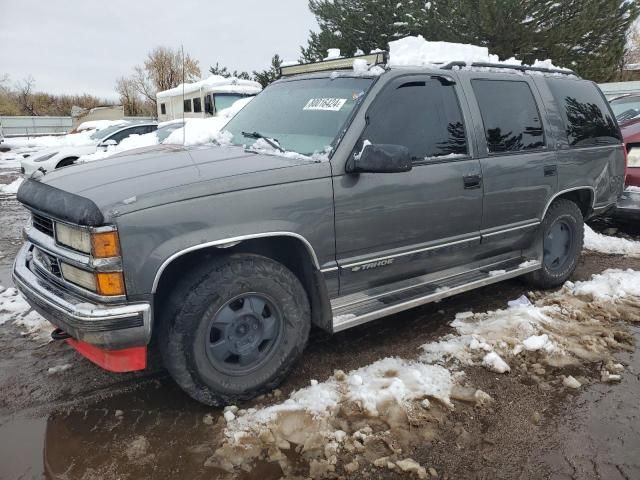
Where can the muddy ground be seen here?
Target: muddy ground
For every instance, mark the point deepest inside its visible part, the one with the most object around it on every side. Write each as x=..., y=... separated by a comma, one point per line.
x=84, y=423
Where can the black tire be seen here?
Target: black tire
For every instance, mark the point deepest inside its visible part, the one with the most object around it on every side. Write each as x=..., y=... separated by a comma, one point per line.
x=565, y=217
x=65, y=162
x=185, y=336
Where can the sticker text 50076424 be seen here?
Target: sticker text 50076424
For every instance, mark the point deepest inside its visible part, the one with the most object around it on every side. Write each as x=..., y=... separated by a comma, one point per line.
x=331, y=104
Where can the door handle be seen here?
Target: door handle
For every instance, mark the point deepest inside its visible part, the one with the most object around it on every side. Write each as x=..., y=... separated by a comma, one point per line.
x=472, y=181
x=550, y=170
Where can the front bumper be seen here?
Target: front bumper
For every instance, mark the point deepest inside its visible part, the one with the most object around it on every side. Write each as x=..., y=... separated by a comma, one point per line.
x=110, y=327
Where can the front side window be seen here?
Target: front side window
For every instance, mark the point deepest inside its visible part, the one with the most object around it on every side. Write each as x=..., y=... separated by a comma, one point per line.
x=187, y=105
x=163, y=109
x=197, y=105
x=585, y=113
x=423, y=116
x=510, y=115
x=303, y=116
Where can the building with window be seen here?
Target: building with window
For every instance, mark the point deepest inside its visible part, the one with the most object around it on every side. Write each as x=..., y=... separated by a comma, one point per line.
x=203, y=98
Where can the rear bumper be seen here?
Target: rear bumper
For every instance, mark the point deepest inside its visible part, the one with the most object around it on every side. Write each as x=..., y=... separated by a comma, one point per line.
x=628, y=207
x=110, y=327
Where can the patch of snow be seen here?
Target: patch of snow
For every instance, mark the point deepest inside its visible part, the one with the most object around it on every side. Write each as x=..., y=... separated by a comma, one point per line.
x=497, y=273
x=99, y=124
x=59, y=368
x=632, y=188
x=332, y=54
x=528, y=263
x=129, y=143
x=214, y=84
x=15, y=309
x=536, y=342
x=606, y=244
x=521, y=301
x=11, y=188
x=494, y=362
x=571, y=382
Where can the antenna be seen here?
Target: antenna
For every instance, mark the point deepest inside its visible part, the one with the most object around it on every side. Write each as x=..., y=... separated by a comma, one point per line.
x=184, y=125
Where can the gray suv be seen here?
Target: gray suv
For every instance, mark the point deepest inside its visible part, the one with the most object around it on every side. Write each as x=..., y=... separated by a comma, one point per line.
x=343, y=197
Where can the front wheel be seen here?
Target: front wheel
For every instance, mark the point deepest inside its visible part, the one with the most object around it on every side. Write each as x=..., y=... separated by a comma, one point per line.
x=235, y=329
x=562, y=238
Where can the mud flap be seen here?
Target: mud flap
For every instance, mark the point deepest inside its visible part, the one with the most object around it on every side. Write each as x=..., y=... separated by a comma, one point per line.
x=120, y=361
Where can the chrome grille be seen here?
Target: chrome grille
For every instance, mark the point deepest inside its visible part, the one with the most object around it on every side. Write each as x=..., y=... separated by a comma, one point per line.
x=47, y=262
x=43, y=224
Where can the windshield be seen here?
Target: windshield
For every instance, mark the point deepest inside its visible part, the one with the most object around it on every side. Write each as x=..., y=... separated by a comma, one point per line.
x=626, y=108
x=103, y=133
x=163, y=132
x=225, y=100
x=303, y=116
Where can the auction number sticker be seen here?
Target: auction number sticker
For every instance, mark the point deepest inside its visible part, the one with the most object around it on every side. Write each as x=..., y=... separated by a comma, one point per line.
x=330, y=104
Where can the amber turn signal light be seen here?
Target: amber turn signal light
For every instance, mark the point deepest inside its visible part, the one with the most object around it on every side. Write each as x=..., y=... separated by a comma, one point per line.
x=110, y=283
x=105, y=244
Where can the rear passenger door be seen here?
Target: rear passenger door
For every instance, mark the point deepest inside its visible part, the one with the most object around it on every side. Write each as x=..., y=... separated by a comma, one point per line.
x=392, y=226
x=519, y=167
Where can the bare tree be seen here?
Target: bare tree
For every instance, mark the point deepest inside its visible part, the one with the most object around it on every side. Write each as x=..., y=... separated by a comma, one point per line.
x=129, y=97
x=162, y=70
x=25, y=95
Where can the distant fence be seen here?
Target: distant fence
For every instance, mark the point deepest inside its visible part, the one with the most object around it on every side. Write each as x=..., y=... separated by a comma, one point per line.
x=37, y=126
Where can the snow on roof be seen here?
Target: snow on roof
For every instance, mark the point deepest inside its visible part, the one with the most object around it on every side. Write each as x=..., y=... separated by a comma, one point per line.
x=215, y=84
x=416, y=51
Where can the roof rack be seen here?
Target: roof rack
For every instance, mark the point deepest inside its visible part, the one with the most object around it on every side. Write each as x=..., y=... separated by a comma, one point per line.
x=378, y=58
x=521, y=68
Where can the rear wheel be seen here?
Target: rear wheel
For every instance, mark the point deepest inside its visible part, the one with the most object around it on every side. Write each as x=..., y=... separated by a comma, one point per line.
x=234, y=329
x=562, y=238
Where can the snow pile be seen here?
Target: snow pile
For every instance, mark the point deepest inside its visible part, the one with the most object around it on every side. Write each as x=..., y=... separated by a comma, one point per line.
x=632, y=188
x=15, y=309
x=214, y=84
x=206, y=130
x=70, y=140
x=11, y=188
x=606, y=244
x=416, y=51
x=401, y=398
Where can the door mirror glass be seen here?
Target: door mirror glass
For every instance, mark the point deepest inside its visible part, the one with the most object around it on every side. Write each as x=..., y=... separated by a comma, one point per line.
x=381, y=158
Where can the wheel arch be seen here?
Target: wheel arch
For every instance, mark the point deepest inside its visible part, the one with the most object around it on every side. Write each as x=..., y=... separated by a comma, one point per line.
x=63, y=160
x=290, y=249
x=584, y=197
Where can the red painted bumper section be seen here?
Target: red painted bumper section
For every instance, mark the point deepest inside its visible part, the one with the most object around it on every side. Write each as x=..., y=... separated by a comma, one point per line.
x=125, y=360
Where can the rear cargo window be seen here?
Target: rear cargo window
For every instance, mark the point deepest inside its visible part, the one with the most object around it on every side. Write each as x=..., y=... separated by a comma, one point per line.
x=424, y=116
x=586, y=116
x=510, y=115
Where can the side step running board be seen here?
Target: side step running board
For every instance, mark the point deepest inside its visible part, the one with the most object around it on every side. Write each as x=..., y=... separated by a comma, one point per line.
x=372, y=307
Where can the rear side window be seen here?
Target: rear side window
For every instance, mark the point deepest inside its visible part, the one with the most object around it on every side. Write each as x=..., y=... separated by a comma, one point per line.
x=187, y=105
x=197, y=105
x=424, y=116
x=587, y=117
x=510, y=115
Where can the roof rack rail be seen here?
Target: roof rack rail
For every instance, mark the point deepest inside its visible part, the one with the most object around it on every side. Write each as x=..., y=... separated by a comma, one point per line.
x=521, y=68
x=378, y=58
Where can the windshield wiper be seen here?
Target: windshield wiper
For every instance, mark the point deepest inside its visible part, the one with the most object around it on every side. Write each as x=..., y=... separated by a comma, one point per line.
x=271, y=141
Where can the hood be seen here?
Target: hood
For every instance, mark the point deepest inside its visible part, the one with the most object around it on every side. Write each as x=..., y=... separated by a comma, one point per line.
x=151, y=176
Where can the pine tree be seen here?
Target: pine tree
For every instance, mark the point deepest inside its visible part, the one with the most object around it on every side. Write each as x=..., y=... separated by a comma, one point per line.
x=265, y=77
x=585, y=35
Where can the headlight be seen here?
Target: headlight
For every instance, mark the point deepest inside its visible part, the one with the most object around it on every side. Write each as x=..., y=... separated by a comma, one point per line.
x=78, y=276
x=633, y=156
x=46, y=157
x=98, y=244
x=72, y=237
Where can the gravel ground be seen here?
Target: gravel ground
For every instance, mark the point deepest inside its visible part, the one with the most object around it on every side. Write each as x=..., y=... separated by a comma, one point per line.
x=84, y=423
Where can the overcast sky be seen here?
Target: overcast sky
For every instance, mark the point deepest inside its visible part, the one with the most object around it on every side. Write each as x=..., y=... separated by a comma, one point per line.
x=77, y=46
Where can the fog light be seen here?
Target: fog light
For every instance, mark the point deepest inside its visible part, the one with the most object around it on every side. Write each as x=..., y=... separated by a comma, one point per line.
x=79, y=277
x=110, y=283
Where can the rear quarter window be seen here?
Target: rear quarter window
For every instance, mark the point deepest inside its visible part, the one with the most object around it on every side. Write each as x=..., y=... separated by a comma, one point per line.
x=586, y=115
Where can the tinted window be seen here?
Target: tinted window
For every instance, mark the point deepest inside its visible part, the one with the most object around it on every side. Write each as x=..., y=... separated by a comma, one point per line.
x=187, y=105
x=626, y=108
x=424, y=116
x=510, y=115
x=163, y=109
x=586, y=114
x=197, y=105
x=226, y=100
x=140, y=130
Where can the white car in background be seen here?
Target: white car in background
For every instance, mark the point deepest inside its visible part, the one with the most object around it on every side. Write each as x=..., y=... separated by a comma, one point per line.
x=57, y=157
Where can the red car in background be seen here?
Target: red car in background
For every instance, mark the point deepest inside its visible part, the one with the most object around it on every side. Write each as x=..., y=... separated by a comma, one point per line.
x=627, y=111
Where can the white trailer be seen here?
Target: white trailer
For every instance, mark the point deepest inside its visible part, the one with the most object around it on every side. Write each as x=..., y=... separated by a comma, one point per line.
x=204, y=98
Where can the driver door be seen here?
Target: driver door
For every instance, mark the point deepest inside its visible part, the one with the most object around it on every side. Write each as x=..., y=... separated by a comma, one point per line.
x=393, y=226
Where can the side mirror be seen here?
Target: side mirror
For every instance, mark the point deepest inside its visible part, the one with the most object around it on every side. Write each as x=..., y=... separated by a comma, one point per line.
x=109, y=143
x=381, y=158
